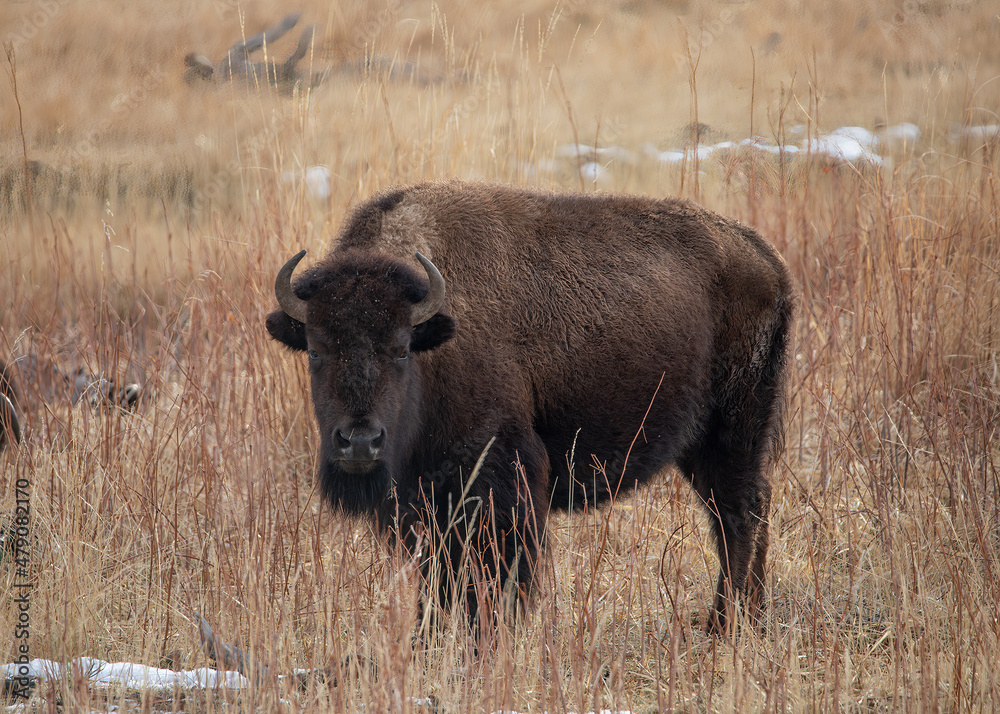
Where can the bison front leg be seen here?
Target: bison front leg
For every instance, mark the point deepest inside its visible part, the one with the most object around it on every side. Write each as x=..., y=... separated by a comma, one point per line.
x=503, y=541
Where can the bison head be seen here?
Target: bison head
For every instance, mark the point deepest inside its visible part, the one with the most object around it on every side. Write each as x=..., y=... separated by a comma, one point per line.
x=362, y=318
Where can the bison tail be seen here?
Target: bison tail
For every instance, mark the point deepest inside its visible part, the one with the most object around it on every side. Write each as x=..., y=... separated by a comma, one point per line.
x=776, y=376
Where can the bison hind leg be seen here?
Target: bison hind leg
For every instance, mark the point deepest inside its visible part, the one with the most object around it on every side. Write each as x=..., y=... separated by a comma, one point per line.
x=738, y=506
x=757, y=583
x=730, y=465
x=741, y=533
x=730, y=470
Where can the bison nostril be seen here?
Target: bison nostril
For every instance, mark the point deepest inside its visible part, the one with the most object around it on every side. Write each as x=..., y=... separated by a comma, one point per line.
x=359, y=443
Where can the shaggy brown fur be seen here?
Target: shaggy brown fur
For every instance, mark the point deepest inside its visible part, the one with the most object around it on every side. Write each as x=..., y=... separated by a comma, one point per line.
x=596, y=338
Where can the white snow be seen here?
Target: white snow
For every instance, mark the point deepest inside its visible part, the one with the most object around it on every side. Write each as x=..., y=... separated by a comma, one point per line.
x=670, y=157
x=573, y=151
x=592, y=171
x=975, y=135
x=701, y=152
x=316, y=178
x=848, y=144
x=125, y=675
x=898, y=136
x=615, y=153
x=129, y=676
x=759, y=144
x=844, y=145
x=858, y=134
x=318, y=182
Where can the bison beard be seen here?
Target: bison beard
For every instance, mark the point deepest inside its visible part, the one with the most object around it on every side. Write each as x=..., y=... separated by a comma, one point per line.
x=630, y=332
x=355, y=493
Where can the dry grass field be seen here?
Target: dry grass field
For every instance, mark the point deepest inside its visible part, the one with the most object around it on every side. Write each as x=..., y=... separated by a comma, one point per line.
x=142, y=221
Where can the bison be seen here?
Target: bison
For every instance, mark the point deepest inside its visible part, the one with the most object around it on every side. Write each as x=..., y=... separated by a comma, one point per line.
x=480, y=353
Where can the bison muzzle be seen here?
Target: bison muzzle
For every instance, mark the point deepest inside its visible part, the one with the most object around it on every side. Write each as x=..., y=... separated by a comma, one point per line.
x=551, y=350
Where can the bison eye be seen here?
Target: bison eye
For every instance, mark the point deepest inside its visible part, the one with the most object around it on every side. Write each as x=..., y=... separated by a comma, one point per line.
x=313, y=355
x=404, y=354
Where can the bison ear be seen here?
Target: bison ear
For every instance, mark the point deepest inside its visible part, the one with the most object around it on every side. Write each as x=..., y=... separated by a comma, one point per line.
x=432, y=333
x=286, y=330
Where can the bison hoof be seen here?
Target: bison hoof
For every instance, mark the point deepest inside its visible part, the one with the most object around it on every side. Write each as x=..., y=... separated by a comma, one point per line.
x=717, y=625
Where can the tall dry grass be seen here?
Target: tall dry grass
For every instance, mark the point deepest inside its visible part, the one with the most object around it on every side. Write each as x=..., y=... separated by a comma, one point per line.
x=161, y=213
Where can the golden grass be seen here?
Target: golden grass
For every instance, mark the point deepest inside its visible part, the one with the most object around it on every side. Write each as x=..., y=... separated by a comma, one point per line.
x=163, y=214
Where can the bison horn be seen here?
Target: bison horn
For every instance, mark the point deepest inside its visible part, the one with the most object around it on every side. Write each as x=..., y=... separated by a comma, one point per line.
x=428, y=307
x=292, y=304
x=9, y=425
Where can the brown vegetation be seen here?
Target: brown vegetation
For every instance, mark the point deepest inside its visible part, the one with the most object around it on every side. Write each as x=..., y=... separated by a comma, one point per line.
x=160, y=213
